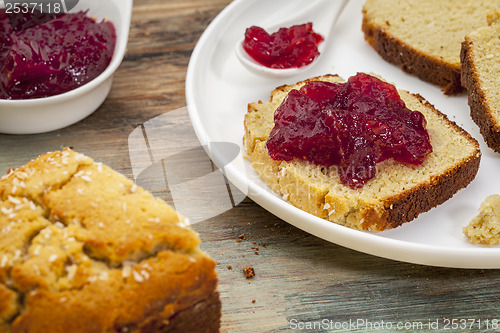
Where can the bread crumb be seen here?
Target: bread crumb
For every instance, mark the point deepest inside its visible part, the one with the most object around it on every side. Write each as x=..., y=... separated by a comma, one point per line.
x=249, y=272
x=485, y=227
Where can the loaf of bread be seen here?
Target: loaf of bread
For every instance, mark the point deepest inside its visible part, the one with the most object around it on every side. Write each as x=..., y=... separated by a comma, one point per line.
x=480, y=75
x=83, y=249
x=485, y=227
x=398, y=193
x=424, y=37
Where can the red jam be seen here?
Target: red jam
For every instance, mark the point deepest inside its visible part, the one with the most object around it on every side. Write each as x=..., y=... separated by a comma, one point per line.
x=352, y=125
x=292, y=47
x=47, y=55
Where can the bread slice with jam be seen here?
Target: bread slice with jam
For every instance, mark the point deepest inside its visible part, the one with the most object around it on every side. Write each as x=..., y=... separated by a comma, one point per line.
x=398, y=193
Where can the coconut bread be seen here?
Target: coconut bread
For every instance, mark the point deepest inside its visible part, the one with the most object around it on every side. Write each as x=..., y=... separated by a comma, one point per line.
x=424, y=37
x=398, y=193
x=480, y=72
x=83, y=249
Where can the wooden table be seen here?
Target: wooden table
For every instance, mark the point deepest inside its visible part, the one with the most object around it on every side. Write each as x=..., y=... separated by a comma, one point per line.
x=300, y=280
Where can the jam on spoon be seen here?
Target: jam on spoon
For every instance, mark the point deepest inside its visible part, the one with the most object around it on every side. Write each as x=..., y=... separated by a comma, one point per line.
x=292, y=47
x=351, y=125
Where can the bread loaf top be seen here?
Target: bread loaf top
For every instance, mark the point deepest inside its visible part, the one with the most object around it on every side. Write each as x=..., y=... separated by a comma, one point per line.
x=76, y=235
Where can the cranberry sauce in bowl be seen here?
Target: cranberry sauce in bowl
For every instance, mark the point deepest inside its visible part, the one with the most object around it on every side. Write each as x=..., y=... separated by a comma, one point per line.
x=292, y=47
x=45, y=114
x=352, y=125
x=48, y=55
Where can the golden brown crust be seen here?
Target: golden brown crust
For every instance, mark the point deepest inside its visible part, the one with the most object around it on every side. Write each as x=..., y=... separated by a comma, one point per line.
x=126, y=305
x=479, y=111
x=83, y=249
x=412, y=61
x=8, y=304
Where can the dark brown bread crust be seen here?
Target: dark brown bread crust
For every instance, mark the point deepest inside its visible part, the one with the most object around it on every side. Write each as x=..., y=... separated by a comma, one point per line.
x=406, y=206
x=479, y=112
x=412, y=61
x=203, y=317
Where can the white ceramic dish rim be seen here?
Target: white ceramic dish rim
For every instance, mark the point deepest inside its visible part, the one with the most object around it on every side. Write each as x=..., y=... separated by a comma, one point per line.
x=395, y=249
x=119, y=53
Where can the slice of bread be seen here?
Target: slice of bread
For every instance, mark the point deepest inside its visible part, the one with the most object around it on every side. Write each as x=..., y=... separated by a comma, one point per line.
x=399, y=192
x=83, y=249
x=424, y=36
x=480, y=74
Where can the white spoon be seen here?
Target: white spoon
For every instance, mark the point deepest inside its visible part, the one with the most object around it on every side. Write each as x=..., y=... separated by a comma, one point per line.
x=322, y=13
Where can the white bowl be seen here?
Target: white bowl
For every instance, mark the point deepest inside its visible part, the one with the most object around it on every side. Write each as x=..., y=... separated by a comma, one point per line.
x=51, y=113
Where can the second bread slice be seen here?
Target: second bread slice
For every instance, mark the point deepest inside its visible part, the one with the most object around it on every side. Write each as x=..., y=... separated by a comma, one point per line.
x=480, y=72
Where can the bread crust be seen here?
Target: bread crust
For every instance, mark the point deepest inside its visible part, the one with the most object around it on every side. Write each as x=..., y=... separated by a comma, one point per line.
x=479, y=110
x=406, y=206
x=410, y=60
x=409, y=205
x=85, y=250
x=349, y=207
x=199, y=318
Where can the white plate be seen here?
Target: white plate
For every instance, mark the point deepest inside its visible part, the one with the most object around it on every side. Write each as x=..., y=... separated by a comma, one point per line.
x=218, y=89
x=40, y=115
